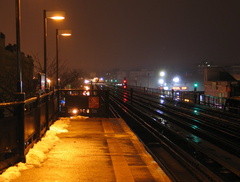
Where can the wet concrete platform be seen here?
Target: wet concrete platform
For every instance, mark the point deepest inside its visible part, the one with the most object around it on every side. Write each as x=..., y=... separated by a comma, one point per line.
x=96, y=150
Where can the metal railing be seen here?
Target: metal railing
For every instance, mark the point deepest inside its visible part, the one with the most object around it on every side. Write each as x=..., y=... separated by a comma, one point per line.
x=196, y=97
x=23, y=123
x=91, y=103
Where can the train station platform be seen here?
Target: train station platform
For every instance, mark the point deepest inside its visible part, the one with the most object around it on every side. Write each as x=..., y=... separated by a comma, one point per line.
x=96, y=150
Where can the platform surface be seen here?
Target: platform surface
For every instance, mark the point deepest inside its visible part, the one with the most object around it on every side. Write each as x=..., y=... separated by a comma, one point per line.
x=96, y=150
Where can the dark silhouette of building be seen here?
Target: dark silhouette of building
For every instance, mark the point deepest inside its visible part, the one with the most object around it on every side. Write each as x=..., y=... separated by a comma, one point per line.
x=8, y=69
x=220, y=83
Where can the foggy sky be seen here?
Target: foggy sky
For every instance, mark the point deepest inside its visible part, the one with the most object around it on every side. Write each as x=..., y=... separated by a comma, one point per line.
x=130, y=34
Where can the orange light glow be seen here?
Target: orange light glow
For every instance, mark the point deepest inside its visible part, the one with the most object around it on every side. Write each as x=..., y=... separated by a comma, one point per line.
x=57, y=17
x=176, y=88
x=66, y=34
x=75, y=111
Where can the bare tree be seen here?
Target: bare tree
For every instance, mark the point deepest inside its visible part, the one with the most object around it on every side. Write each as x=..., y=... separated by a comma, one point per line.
x=67, y=75
x=8, y=86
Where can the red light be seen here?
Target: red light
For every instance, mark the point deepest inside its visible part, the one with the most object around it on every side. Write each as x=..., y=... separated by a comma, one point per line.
x=124, y=84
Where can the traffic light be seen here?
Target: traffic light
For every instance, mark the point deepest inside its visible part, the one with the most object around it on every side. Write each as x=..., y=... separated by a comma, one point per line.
x=124, y=83
x=195, y=86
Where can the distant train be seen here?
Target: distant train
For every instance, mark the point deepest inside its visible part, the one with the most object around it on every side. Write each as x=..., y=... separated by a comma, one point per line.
x=233, y=104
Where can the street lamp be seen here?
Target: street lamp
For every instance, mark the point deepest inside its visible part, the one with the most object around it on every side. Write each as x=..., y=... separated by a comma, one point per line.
x=54, y=15
x=19, y=62
x=176, y=79
x=162, y=74
x=49, y=82
x=161, y=81
x=65, y=33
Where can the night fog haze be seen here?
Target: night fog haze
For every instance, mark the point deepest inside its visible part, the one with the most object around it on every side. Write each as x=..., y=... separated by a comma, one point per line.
x=129, y=34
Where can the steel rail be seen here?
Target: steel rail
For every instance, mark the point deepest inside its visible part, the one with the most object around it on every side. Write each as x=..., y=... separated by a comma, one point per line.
x=201, y=173
x=127, y=96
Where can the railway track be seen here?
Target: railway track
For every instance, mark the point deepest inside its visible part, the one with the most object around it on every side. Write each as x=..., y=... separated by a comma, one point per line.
x=191, y=144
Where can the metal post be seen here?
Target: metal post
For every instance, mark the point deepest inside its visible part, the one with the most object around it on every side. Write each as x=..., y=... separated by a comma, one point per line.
x=131, y=95
x=21, y=131
x=57, y=82
x=45, y=46
x=106, y=103
x=20, y=96
x=19, y=63
x=172, y=94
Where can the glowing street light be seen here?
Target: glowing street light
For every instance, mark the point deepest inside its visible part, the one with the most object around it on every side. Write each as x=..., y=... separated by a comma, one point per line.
x=176, y=79
x=49, y=82
x=162, y=73
x=54, y=15
x=161, y=81
x=64, y=33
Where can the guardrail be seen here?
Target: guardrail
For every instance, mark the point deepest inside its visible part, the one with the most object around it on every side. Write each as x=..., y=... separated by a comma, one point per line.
x=196, y=97
x=91, y=103
x=22, y=124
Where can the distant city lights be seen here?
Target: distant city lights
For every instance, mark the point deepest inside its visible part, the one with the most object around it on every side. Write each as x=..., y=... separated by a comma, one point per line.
x=162, y=73
x=161, y=81
x=86, y=81
x=176, y=79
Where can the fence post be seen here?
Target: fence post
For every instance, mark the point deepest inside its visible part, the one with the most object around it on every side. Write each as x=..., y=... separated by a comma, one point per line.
x=47, y=111
x=20, y=97
x=58, y=103
x=39, y=116
x=172, y=94
x=106, y=103
x=131, y=95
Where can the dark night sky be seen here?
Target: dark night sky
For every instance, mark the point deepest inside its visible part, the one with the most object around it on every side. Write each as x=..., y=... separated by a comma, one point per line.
x=130, y=33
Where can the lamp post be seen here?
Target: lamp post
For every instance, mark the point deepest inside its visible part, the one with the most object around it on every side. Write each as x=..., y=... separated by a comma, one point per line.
x=65, y=33
x=162, y=74
x=20, y=95
x=54, y=15
x=176, y=79
x=19, y=63
x=162, y=78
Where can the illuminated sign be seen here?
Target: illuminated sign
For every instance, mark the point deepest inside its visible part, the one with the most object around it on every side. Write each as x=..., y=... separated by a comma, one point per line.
x=179, y=88
x=176, y=88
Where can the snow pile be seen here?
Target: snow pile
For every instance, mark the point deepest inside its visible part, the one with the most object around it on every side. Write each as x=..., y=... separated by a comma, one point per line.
x=38, y=154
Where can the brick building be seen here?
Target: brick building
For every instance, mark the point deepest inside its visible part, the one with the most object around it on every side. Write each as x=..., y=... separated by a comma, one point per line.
x=8, y=69
x=220, y=83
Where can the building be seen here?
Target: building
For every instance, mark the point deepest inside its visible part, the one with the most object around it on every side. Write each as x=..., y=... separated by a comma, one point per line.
x=219, y=83
x=8, y=70
x=143, y=78
x=115, y=76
